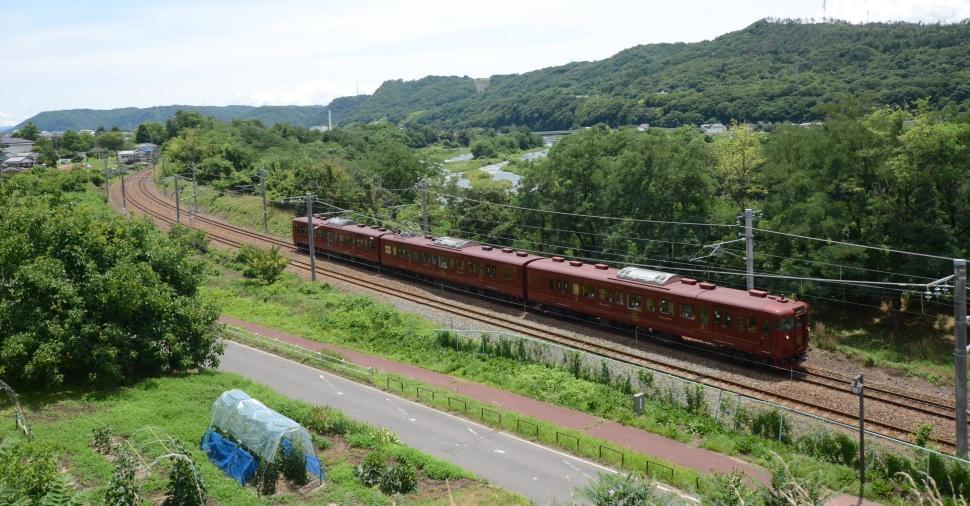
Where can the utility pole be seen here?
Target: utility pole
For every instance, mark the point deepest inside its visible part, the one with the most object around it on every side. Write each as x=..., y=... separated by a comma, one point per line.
x=311, y=235
x=124, y=198
x=262, y=184
x=107, y=195
x=858, y=388
x=424, y=208
x=960, y=352
x=749, y=246
x=178, y=206
x=195, y=194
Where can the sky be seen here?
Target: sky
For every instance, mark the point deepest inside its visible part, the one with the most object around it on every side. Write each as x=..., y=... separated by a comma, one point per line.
x=68, y=54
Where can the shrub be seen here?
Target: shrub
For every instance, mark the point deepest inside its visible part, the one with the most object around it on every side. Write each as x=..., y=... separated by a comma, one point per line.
x=771, y=424
x=728, y=490
x=646, y=379
x=185, y=485
x=293, y=463
x=618, y=489
x=604, y=374
x=27, y=470
x=574, y=363
x=369, y=471
x=266, y=265
x=190, y=238
x=101, y=440
x=399, y=479
x=122, y=489
x=327, y=420
x=922, y=435
x=267, y=474
x=694, y=397
x=483, y=148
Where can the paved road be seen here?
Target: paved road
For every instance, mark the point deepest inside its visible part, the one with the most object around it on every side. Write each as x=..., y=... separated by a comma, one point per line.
x=542, y=474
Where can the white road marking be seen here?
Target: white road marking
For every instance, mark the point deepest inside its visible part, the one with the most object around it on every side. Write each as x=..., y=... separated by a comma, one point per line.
x=400, y=409
x=571, y=466
x=471, y=430
x=335, y=389
x=499, y=451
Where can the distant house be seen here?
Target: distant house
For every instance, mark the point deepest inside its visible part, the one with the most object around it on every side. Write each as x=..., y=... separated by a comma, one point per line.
x=16, y=145
x=86, y=132
x=145, y=151
x=126, y=156
x=643, y=127
x=20, y=161
x=714, y=128
x=319, y=128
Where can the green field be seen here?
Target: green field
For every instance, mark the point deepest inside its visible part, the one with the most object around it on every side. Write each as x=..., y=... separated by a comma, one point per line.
x=181, y=407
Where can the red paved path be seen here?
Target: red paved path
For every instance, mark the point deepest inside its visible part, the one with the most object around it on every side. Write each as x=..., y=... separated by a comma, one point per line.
x=639, y=440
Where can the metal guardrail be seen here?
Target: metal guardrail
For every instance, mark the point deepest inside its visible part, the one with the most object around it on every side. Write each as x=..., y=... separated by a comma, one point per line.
x=316, y=356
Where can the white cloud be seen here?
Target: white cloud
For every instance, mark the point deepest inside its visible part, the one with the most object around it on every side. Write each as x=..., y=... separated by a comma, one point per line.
x=926, y=11
x=8, y=119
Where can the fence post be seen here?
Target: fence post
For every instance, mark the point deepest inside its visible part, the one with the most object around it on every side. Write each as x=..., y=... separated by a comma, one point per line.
x=717, y=411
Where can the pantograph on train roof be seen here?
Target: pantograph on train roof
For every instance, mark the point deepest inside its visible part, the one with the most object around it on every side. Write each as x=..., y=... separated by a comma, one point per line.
x=646, y=276
x=451, y=242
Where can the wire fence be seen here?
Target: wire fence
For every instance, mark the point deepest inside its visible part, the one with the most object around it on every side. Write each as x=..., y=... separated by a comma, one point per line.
x=731, y=410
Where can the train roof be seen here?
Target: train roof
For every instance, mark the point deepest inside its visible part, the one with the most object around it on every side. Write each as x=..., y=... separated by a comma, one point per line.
x=345, y=224
x=665, y=282
x=466, y=247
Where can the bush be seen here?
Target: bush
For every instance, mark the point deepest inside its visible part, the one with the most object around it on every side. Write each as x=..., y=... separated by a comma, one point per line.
x=190, y=238
x=399, y=479
x=293, y=464
x=27, y=471
x=369, y=471
x=101, y=440
x=326, y=420
x=728, y=490
x=621, y=490
x=483, y=148
x=838, y=448
x=771, y=424
x=267, y=474
x=694, y=396
x=185, y=485
x=122, y=489
x=263, y=264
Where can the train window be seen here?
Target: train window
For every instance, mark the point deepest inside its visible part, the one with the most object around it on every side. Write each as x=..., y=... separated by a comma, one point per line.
x=727, y=319
x=563, y=286
x=752, y=325
x=739, y=324
x=552, y=285
x=784, y=323
x=589, y=292
x=490, y=271
x=705, y=316
x=717, y=316
x=507, y=274
x=606, y=295
x=402, y=252
x=665, y=307
x=687, y=311
x=459, y=265
x=618, y=299
x=576, y=289
x=765, y=326
x=370, y=243
x=633, y=302
x=388, y=249
x=651, y=305
x=472, y=267
x=443, y=262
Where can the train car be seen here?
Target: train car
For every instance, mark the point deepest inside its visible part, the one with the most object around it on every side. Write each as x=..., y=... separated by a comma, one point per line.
x=341, y=237
x=754, y=323
x=459, y=262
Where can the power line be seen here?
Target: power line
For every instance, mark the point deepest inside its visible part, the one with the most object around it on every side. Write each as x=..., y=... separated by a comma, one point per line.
x=863, y=246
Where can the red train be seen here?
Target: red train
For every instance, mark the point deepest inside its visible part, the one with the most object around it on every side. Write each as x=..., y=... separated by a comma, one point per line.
x=750, y=322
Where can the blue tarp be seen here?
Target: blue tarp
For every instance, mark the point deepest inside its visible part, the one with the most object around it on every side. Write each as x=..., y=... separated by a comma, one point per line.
x=228, y=456
x=313, y=466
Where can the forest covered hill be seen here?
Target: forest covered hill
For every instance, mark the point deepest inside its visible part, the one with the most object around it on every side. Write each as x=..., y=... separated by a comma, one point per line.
x=769, y=71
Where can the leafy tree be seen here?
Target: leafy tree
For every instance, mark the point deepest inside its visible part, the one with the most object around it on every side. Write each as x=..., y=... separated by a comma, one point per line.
x=739, y=158
x=28, y=131
x=92, y=299
x=112, y=141
x=150, y=131
x=483, y=148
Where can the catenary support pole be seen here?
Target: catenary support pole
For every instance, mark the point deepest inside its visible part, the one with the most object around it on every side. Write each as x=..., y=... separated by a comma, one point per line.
x=862, y=436
x=960, y=352
x=124, y=196
x=749, y=246
x=262, y=181
x=107, y=195
x=178, y=202
x=424, y=208
x=310, y=237
x=195, y=195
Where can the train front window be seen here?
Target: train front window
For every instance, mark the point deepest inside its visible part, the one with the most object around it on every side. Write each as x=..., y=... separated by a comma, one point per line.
x=785, y=324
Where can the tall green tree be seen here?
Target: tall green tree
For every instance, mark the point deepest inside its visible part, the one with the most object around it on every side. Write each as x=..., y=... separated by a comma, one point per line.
x=739, y=157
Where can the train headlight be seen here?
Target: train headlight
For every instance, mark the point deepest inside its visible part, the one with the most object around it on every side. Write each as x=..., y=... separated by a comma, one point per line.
x=787, y=337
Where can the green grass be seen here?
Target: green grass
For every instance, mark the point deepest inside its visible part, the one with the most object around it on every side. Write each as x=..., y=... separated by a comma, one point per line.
x=320, y=313
x=181, y=407
x=238, y=209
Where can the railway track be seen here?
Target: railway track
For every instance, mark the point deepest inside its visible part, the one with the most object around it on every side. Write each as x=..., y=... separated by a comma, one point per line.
x=143, y=199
